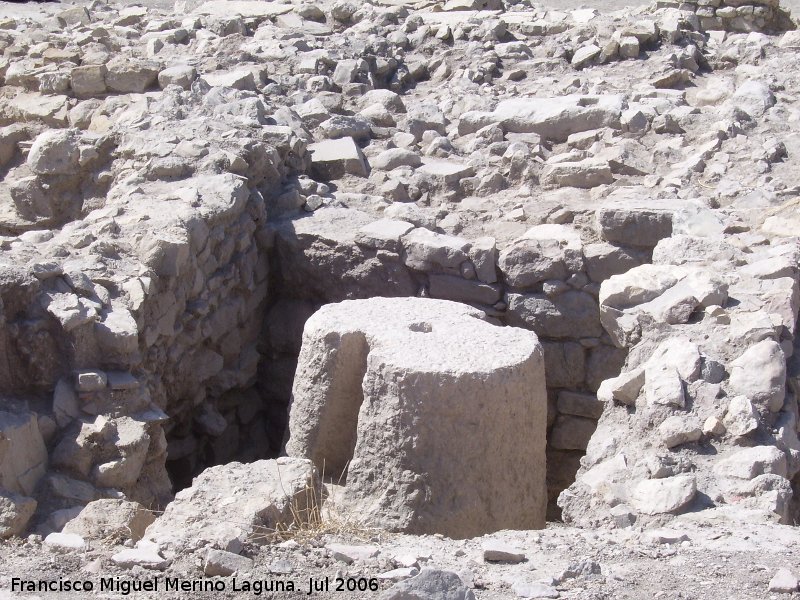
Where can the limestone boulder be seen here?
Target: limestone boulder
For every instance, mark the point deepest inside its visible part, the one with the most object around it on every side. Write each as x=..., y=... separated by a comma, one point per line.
x=109, y=519
x=581, y=174
x=15, y=512
x=231, y=504
x=55, y=153
x=760, y=374
x=668, y=495
x=23, y=455
x=543, y=252
x=552, y=118
x=633, y=225
x=337, y=253
x=125, y=75
x=332, y=159
x=404, y=396
x=573, y=314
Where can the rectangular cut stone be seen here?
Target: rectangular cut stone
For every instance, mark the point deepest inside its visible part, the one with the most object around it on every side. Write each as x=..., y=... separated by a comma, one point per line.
x=332, y=159
x=23, y=455
x=383, y=235
x=449, y=287
x=445, y=172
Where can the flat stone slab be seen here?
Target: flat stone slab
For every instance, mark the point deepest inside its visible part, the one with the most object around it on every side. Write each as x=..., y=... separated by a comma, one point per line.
x=552, y=118
x=332, y=159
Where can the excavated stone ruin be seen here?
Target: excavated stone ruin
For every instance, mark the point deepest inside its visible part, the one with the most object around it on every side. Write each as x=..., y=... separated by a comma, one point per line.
x=182, y=191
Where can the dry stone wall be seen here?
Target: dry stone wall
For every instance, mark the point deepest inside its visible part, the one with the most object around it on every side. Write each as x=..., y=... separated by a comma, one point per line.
x=733, y=15
x=134, y=284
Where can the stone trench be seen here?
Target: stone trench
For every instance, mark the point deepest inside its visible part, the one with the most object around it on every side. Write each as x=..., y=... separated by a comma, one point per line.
x=167, y=233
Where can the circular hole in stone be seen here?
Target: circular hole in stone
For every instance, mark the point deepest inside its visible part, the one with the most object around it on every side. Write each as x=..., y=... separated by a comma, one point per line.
x=421, y=327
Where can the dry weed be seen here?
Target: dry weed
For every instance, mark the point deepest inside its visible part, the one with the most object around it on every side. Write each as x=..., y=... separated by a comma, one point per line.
x=315, y=513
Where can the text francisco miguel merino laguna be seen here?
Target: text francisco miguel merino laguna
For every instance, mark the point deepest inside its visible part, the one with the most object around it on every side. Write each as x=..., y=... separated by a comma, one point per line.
x=175, y=584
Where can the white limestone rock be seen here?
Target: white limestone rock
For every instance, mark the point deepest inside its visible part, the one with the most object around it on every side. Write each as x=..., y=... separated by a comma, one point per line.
x=430, y=583
x=219, y=563
x=428, y=251
x=146, y=555
x=741, y=417
x=663, y=386
x=350, y=553
x=111, y=519
x=760, y=374
x=16, y=511
x=384, y=234
x=783, y=582
x=677, y=430
x=668, y=495
x=332, y=159
x=230, y=504
x=752, y=462
x=55, y=153
x=23, y=455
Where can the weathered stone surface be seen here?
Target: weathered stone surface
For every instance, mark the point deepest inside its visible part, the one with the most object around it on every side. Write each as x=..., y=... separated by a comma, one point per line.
x=760, y=374
x=383, y=235
x=332, y=159
x=604, y=260
x=350, y=554
x=65, y=542
x=231, y=504
x=741, y=417
x=580, y=405
x=633, y=226
x=15, y=512
x=449, y=287
x=130, y=76
x=427, y=251
x=220, y=563
x=382, y=357
x=497, y=551
x=111, y=520
x=430, y=583
x=572, y=433
x=552, y=118
x=670, y=495
x=570, y=315
x=55, y=153
x=783, y=582
x=752, y=462
x=581, y=174
x=23, y=455
x=544, y=252
x=146, y=555
x=677, y=430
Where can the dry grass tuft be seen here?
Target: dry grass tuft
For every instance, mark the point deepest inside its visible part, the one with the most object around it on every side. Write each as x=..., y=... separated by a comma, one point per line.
x=315, y=513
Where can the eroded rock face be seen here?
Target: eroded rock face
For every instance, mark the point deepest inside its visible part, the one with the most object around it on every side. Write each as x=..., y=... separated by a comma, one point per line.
x=437, y=416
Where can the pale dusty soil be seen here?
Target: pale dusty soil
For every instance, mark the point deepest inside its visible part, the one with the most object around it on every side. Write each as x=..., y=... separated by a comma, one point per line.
x=722, y=561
